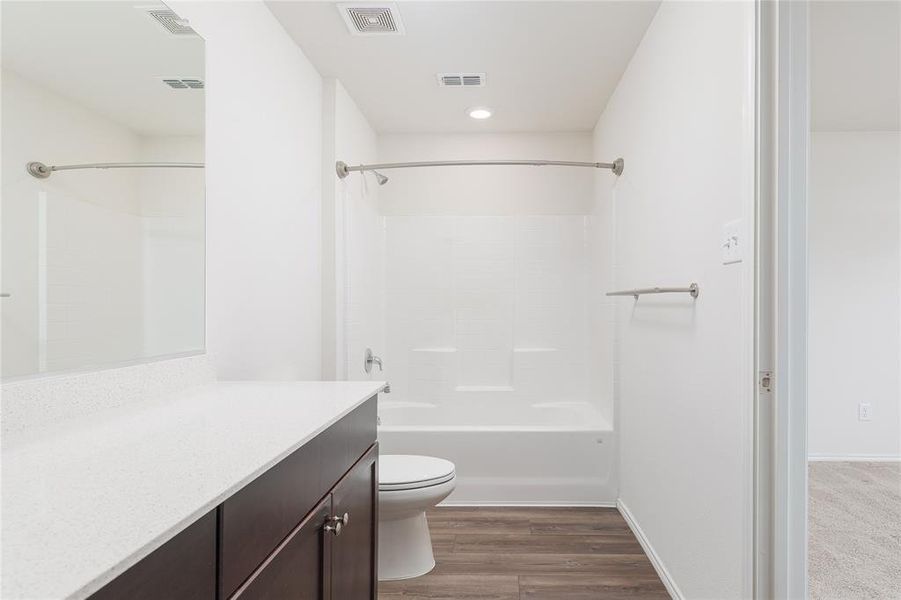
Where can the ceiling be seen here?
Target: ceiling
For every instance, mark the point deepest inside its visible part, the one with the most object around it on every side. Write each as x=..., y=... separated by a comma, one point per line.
x=110, y=57
x=551, y=66
x=855, y=65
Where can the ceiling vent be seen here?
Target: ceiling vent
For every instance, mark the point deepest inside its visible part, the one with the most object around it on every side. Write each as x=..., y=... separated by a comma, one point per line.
x=461, y=80
x=171, y=21
x=183, y=83
x=372, y=19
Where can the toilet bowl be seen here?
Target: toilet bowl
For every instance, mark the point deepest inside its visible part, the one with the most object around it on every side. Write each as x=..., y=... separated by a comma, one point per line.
x=409, y=485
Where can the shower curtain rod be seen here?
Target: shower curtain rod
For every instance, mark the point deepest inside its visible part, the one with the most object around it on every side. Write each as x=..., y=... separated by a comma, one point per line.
x=343, y=169
x=42, y=171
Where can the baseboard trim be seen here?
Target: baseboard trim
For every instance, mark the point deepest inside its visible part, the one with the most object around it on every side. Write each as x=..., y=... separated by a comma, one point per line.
x=855, y=458
x=501, y=504
x=664, y=575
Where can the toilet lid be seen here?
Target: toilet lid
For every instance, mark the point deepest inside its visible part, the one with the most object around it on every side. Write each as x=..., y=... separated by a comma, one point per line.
x=409, y=472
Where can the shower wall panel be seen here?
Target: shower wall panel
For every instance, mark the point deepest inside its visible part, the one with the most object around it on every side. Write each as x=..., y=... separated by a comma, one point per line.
x=487, y=307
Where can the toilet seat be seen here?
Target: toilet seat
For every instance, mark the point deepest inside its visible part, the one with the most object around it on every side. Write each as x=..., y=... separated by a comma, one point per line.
x=412, y=472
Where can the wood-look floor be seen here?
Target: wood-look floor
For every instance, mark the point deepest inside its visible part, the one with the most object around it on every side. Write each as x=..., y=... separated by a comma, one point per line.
x=531, y=554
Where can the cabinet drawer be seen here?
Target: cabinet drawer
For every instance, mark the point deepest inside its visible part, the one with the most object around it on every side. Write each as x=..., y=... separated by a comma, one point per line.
x=258, y=517
x=184, y=568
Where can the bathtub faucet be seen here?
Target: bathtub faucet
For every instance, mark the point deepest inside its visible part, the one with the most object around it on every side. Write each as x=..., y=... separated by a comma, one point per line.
x=371, y=359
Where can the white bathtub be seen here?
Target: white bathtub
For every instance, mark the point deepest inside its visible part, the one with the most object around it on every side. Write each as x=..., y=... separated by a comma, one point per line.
x=539, y=454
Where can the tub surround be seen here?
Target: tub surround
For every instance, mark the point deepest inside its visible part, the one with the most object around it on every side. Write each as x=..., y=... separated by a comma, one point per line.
x=89, y=497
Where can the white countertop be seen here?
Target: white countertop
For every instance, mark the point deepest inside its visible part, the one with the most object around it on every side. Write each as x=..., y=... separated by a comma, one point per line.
x=85, y=499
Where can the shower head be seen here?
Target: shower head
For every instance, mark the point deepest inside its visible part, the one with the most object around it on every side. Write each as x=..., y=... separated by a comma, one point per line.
x=380, y=178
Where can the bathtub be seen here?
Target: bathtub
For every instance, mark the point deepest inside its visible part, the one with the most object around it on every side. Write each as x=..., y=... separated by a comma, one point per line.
x=548, y=453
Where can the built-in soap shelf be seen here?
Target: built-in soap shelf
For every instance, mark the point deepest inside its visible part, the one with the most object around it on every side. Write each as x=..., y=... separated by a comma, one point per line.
x=437, y=349
x=484, y=388
x=449, y=349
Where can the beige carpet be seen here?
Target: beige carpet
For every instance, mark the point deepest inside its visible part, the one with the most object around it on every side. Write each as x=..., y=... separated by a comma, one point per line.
x=854, y=530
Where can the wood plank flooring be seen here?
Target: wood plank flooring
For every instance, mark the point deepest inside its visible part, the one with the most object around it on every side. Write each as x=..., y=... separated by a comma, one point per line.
x=531, y=554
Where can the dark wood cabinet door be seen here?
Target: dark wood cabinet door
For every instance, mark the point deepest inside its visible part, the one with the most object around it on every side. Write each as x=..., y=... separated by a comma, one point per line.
x=354, y=551
x=299, y=568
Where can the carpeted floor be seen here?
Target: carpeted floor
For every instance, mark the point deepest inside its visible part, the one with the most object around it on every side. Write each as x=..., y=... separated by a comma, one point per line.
x=854, y=530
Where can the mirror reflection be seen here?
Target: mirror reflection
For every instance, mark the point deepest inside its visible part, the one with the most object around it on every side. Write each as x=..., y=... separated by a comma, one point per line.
x=102, y=185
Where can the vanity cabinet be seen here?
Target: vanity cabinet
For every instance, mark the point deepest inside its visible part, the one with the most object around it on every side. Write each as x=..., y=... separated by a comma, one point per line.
x=305, y=529
x=332, y=553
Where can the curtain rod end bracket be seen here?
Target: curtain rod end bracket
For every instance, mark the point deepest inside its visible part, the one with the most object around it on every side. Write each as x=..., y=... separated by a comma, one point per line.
x=341, y=169
x=38, y=169
x=618, y=166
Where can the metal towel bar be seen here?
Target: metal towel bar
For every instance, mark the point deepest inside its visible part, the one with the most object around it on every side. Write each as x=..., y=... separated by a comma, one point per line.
x=692, y=290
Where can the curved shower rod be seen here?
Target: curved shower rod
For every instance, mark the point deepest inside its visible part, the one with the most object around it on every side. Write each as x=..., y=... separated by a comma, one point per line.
x=343, y=169
x=42, y=171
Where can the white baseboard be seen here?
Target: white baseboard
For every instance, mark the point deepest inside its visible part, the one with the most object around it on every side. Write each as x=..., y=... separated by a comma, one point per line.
x=664, y=575
x=855, y=458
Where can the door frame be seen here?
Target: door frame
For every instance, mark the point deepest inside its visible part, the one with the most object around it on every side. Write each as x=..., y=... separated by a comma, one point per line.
x=783, y=136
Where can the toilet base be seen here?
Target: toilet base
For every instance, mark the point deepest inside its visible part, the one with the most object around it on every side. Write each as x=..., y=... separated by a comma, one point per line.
x=405, y=548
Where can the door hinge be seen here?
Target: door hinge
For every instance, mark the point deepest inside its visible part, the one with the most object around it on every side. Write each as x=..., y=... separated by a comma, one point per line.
x=765, y=381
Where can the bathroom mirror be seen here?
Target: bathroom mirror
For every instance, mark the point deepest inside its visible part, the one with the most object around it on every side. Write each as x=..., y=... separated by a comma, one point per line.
x=100, y=266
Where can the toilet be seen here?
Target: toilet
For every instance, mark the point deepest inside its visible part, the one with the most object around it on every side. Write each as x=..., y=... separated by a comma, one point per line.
x=409, y=485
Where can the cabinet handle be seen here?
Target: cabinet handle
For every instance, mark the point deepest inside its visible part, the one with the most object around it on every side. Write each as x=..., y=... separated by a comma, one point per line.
x=334, y=529
x=342, y=519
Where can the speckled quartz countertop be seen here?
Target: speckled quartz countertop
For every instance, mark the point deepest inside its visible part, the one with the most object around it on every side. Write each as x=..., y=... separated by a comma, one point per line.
x=87, y=498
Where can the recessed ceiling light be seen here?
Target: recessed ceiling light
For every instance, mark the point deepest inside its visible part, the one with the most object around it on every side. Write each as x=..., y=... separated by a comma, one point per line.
x=479, y=112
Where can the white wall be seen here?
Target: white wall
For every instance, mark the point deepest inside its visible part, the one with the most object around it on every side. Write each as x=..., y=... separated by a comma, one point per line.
x=855, y=259
x=855, y=65
x=682, y=118
x=359, y=242
x=263, y=124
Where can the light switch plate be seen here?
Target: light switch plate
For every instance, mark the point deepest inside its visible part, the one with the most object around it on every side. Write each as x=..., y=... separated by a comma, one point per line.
x=732, y=244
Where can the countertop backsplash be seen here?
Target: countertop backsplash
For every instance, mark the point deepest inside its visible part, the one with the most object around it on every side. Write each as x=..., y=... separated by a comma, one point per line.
x=39, y=401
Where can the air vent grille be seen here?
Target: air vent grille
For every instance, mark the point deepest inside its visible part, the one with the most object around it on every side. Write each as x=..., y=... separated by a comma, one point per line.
x=171, y=21
x=184, y=84
x=372, y=19
x=461, y=80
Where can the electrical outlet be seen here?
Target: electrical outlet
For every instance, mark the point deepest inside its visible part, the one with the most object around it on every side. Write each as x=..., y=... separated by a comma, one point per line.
x=732, y=246
x=864, y=412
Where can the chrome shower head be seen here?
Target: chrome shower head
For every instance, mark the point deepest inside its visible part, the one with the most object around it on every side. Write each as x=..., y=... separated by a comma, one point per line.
x=380, y=178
